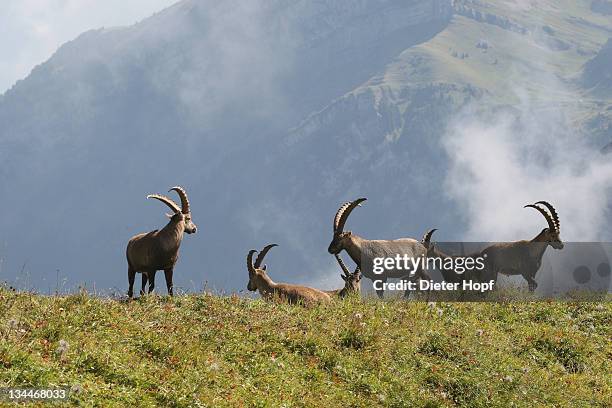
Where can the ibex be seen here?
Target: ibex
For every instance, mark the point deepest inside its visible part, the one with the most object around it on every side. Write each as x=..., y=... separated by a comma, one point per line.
x=509, y=258
x=352, y=281
x=268, y=289
x=364, y=251
x=525, y=257
x=158, y=250
x=449, y=275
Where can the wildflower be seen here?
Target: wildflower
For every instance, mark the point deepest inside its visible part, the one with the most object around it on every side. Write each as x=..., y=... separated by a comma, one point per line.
x=76, y=388
x=62, y=349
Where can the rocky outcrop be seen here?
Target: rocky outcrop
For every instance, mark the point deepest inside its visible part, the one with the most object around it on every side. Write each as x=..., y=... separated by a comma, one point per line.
x=467, y=9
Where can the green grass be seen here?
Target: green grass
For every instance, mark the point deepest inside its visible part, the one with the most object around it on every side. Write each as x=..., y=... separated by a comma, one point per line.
x=205, y=350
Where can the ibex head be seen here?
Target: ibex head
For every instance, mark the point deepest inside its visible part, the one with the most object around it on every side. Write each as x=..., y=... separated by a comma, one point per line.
x=256, y=270
x=352, y=281
x=182, y=214
x=340, y=236
x=550, y=234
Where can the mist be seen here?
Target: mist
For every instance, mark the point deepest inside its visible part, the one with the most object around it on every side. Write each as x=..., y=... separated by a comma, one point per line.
x=502, y=161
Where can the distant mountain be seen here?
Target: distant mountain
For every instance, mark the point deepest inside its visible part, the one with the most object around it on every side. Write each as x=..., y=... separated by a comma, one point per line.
x=271, y=113
x=597, y=72
x=602, y=6
x=199, y=94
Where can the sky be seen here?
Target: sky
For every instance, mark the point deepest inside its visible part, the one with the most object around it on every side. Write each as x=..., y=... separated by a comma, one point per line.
x=32, y=30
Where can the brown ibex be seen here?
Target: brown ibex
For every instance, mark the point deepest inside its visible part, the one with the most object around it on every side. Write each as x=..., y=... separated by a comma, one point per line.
x=158, y=250
x=525, y=257
x=352, y=281
x=268, y=289
x=449, y=275
x=509, y=258
x=364, y=251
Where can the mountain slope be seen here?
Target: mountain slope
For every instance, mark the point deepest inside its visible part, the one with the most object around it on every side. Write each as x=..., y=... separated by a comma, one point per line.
x=272, y=114
x=198, y=94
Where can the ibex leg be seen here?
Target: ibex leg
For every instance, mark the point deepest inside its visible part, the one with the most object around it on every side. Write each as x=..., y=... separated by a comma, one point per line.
x=168, y=274
x=152, y=281
x=531, y=282
x=145, y=277
x=131, y=276
x=380, y=292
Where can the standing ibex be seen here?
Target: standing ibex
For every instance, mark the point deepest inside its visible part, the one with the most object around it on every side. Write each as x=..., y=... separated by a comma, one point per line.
x=509, y=258
x=158, y=250
x=525, y=257
x=352, y=281
x=449, y=275
x=268, y=289
x=364, y=251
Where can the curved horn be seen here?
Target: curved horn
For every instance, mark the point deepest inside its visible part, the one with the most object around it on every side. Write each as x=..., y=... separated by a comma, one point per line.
x=250, y=262
x=168, y=201
x=343, y=212
x=345, y=270
x=184, y=200
x=551, y=224
x=262, y=254
x=427, y=237
x=554, y=214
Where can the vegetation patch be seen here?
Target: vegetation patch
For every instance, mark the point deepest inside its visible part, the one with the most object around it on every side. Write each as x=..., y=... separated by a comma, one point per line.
x=205, y=350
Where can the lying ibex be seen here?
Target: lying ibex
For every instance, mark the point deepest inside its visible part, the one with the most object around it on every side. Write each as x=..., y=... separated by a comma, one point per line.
x=268, y=289
x=158, y=250
x=352, y=281
x=364, y=251
x=525, y=257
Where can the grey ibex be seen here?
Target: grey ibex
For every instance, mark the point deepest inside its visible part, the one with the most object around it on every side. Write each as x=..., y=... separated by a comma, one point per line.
x=158, y=250
x=352, y=281
x=525, y=257
x=268, y=289
x=363, y=251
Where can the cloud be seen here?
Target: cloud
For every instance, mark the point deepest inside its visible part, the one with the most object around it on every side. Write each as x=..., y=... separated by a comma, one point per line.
x=33, y=29
x=502, y=161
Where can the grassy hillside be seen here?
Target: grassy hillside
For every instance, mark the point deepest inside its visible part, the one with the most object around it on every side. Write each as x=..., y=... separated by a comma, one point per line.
x=229, y=351
x=508, y=49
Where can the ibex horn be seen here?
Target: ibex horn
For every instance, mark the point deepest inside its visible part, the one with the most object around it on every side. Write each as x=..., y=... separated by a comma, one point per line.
x=343, y=212
x=552, y=212
x=262, y=255
x=345, y=270
x=551, y=224
x=184, y=200
x=427, y=237
x=173, y=206
x=250, y=262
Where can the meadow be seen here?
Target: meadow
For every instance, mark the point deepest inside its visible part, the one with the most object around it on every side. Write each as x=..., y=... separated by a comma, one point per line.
x=210, y=350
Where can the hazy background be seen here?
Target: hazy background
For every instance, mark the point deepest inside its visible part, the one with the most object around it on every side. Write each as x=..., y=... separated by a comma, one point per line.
x=32, y=30
x=272, y=113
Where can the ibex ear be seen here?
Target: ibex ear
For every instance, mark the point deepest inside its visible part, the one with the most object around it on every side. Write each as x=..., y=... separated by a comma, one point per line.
x=344, y=278
x=264, y=267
